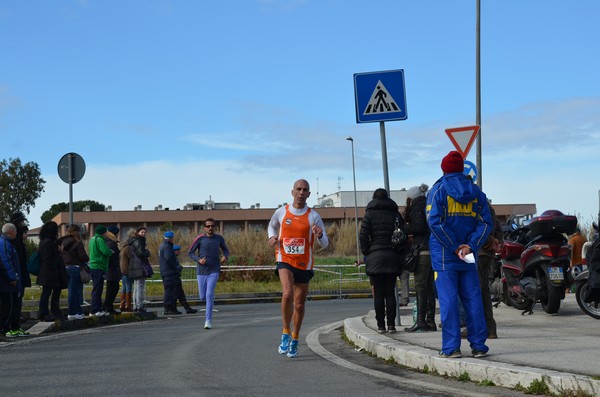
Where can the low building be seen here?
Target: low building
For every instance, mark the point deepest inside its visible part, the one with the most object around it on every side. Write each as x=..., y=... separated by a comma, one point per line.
x=230, y=217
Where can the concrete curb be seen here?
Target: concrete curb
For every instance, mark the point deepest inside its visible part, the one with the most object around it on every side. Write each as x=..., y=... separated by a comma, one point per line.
x=127, y=317
x=45, y=327
x=30, y=312
x=504, y=375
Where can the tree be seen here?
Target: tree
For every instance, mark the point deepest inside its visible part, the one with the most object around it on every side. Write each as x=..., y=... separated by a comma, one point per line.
x=78, y=206
x=20, y=186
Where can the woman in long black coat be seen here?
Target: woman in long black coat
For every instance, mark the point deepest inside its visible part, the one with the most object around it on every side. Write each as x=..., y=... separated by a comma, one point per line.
x=52, y=275
x=382, y=261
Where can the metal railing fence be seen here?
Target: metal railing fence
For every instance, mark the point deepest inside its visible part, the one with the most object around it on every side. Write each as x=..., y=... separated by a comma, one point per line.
x=334, y=280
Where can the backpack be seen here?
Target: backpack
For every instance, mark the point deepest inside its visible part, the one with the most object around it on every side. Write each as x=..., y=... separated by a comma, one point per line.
x=34, y=263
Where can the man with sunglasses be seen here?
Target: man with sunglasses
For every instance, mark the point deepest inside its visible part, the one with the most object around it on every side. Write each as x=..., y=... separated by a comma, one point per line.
x=293, y=230
x=206, y=252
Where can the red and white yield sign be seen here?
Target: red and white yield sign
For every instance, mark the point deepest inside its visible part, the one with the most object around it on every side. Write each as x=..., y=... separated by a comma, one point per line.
x=463, y=138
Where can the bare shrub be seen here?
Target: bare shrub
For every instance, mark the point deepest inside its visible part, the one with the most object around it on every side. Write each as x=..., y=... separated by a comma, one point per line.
x=250, y=248
x=343, y=238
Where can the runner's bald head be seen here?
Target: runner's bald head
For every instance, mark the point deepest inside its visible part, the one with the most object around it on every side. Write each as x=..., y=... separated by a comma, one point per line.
x=302, y=181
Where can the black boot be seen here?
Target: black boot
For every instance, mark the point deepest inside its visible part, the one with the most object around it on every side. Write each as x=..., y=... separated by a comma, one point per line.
x=421, y=303
x=171, y=310
x=430, y=316
x=110, y=308
x=188, y=308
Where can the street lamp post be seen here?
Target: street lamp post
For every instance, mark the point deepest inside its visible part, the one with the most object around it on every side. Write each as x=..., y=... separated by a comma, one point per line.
x=355, y=201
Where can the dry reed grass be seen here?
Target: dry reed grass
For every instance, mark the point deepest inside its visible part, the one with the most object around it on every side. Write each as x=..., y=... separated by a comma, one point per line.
x=250, y=248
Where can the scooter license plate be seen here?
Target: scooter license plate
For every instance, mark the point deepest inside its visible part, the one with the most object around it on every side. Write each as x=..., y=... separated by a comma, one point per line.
x=556, y=273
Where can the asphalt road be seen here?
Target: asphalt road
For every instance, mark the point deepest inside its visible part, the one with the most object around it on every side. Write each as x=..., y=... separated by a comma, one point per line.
x=238, y=357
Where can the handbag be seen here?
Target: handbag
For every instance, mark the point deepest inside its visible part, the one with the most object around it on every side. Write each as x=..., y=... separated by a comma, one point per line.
x=398, y=236
x=148, y=272
x=34, y=263
x=411, y=257
x=85, y=273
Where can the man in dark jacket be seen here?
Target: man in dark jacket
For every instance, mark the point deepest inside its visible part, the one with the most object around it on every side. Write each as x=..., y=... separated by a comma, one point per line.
x=487, y=258
x=179, y=289
x=417, y=231
x=460, y=222
x=113, y=273
x=169, y=271
x=382, y=261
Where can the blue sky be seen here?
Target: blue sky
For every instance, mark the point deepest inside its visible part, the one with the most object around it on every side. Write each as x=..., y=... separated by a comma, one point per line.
x=173, y=102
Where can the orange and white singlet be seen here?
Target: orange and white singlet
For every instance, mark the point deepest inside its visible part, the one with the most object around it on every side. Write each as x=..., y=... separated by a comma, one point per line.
x=295, y=239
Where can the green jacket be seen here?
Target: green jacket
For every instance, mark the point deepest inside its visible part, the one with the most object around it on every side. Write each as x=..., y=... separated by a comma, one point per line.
x=99, y=253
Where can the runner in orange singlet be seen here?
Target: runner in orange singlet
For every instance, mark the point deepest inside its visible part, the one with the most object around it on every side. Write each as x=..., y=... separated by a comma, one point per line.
x=293, y=231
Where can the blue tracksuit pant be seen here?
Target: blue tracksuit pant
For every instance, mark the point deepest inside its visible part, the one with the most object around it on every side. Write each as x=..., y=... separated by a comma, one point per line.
x=452, y=285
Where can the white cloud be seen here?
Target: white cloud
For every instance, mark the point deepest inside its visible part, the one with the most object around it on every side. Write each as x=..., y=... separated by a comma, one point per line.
x=528, y=157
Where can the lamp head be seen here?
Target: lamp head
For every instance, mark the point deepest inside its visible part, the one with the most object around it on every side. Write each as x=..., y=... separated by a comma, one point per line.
x=350, y=139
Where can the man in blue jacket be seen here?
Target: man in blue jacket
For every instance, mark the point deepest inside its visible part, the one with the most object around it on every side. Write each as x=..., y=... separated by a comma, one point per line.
x=10, y=283
x=460, y=222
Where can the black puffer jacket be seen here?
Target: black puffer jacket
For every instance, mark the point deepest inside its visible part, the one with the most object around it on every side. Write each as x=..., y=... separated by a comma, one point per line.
x=138, y=245
x=53, y=272
x=417, y=222
x=138, y=255
x=114, y=271
x=376, y=237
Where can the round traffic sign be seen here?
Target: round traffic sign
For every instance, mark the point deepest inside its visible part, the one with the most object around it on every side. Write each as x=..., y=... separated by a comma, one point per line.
x=471, y=170
x=71, y=168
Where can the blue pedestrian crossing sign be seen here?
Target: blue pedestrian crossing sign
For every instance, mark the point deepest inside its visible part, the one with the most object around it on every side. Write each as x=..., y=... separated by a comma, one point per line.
x=470, y=170
x=380, y=96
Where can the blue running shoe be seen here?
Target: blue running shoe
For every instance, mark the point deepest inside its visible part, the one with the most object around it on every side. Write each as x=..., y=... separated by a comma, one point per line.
x=293, y=352
x=284, y=346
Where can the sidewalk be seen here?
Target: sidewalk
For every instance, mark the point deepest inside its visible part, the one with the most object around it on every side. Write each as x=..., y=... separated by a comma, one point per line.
x=561, y=350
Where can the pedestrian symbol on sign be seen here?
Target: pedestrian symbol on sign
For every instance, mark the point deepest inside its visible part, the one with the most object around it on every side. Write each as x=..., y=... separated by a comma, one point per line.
x=381, y=101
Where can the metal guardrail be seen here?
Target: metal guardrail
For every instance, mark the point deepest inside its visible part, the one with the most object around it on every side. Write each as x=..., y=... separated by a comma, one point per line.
x=328, y=280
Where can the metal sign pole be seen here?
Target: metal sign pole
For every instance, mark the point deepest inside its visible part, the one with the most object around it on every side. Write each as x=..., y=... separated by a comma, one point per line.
x=71, y=168
x=478, y=94
x=355, y=201
x=386, y=178
x=380, y=97
x=71, y=161
x=386, y=182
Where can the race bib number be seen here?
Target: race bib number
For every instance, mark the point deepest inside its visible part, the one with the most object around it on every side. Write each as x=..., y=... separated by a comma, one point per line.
x=293, y=246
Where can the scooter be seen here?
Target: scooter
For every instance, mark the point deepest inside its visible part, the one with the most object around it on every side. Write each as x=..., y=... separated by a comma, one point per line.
x=535, y=262
x=587, y=299
x=591, y=309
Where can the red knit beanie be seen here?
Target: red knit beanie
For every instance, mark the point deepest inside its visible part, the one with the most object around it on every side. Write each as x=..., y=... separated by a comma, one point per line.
x=453, y=162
